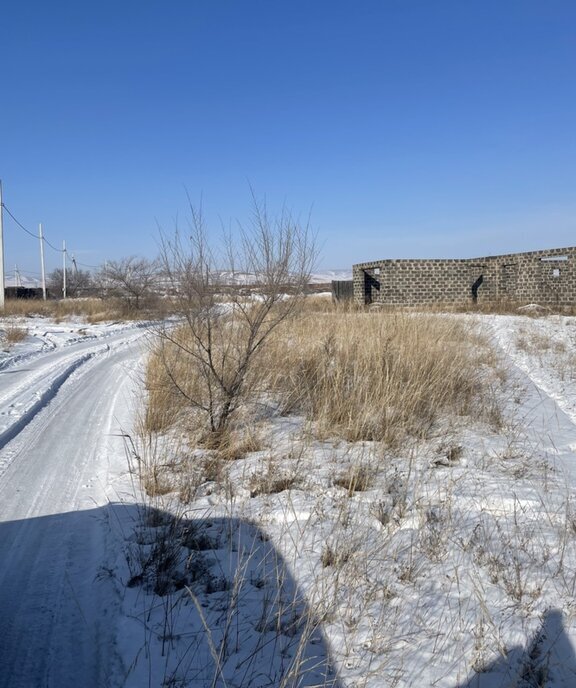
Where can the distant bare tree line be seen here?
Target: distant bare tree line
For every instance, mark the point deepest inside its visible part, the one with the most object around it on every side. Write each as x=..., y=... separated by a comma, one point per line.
x=272, y=258
x=134, y=280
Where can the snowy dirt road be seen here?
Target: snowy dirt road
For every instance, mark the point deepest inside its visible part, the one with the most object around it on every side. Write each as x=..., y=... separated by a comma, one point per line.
x=62, y=409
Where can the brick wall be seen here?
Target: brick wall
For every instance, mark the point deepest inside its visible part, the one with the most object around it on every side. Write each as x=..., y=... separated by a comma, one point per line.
x=545, y=277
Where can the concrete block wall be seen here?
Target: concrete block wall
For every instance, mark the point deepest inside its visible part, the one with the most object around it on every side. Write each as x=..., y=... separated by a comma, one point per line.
x=544, y=277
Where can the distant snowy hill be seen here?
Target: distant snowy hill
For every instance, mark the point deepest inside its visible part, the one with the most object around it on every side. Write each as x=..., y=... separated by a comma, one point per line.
x=316, y=278
x=22, y=281
x=329, y=275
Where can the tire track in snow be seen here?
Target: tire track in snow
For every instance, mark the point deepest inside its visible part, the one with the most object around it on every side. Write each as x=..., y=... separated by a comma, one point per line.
x=23, y=400
x=44, y=398
x=549, y=417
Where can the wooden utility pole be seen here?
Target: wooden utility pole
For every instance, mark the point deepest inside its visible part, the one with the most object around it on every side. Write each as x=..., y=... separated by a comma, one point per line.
x=42, y=268
x=1, y=252
x=63, y=269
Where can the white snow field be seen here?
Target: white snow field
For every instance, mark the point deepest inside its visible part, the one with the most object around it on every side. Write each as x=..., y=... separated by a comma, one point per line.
x=452, y=563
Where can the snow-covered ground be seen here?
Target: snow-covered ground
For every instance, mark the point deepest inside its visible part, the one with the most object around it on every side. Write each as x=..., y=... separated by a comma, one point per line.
x=306, y=563
x=65, y=394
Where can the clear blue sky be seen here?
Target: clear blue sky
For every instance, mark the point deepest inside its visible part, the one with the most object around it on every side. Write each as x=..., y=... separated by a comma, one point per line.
x=410, y=128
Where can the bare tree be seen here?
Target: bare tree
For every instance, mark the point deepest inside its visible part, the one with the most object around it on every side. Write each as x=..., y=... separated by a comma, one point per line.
x=231, y=297
x=131, y=279
x=78, y=282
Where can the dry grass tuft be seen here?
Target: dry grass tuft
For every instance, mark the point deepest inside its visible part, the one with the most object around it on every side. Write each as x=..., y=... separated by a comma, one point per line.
x=268, y=483
x=156, y=481
x=335, y=555
x=357, y=479
x=235, y=443
x=14, y=333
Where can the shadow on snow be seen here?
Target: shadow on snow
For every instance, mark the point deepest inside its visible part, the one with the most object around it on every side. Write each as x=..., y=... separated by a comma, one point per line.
x=201, y=602
x=548, y=660
x=125, y=595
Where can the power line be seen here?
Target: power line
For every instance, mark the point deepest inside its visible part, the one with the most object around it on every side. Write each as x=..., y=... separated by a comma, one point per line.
x=52, y=246
x=35, y=236
x=17, y=222
x=48, y=243
x=85, y=265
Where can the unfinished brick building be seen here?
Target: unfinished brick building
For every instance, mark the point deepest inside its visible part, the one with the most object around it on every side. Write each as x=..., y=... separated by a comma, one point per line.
x=543, y=277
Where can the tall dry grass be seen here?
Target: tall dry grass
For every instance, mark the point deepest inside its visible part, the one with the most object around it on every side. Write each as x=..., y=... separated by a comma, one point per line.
x=378, y=376
x=362, y=376
x=93, y=309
